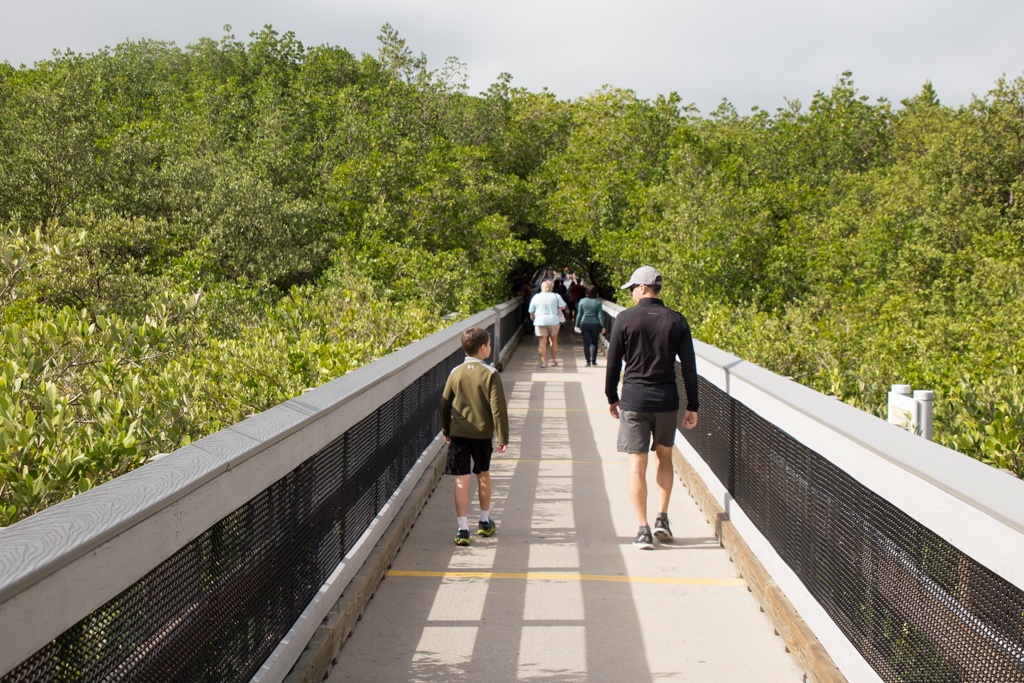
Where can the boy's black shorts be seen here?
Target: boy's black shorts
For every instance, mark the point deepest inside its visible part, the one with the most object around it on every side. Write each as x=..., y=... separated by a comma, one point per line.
x=461, y=450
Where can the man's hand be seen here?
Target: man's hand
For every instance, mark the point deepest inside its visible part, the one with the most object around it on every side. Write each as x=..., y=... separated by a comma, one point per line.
x=447, y=439
x=689, y=420
x=614, y=410
x=502, y=447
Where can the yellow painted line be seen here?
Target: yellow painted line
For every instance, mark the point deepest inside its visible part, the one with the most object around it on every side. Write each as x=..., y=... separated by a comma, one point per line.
x=548, y=409
x=543, y=378
x=560, y=460
x=569, y=576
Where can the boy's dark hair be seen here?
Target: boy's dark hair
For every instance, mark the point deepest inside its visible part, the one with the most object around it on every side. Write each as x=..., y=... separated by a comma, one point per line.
x=592, y=290
x=473, y=339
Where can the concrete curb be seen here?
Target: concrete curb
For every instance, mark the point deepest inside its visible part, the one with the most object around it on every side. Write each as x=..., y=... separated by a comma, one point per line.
x=510, y=348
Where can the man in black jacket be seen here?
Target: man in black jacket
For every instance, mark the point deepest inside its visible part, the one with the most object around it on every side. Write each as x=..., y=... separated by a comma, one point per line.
x=648, y=338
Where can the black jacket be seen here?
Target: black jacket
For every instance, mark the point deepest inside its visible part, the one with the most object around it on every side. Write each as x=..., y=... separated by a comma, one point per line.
x=649, y=337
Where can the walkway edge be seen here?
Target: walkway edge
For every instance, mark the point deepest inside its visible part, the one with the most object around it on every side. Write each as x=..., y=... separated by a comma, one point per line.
x=321, y=653
x=800, y=641
x=509, y=349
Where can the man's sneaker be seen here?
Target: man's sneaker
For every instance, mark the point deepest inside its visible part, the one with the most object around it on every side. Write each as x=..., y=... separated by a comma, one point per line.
x=486, y=528
x=643, y=539
x=462, y=537
x=662, y=531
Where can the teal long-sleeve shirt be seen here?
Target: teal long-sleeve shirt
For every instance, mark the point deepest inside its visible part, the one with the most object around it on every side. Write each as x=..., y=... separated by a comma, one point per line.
x=473, y=403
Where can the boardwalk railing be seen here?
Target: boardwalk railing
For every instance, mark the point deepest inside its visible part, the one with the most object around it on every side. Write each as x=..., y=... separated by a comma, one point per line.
x=217, y=562
x=905, y=558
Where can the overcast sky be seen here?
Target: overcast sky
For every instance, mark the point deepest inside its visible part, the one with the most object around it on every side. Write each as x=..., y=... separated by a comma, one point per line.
x=750, y=52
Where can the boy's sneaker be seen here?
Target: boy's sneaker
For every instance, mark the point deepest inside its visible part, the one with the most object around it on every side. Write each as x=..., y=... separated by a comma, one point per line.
x=462, y=537
x=643, y=539
x=662, y=531
x=486, y=528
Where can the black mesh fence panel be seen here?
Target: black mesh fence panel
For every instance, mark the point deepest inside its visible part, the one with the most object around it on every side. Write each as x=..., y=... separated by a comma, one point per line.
x=917, y=608
x=510, y=324
x=217, y=608
x=713, y=435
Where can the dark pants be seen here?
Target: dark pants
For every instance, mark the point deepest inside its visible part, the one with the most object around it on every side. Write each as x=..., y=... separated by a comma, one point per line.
x=591, y=338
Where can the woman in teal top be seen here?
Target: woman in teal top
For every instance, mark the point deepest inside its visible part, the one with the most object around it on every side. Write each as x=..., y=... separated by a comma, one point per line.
x=588, y=318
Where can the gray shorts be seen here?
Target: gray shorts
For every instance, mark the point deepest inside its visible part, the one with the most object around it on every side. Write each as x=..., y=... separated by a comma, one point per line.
x=641, y=431
x=546, y=330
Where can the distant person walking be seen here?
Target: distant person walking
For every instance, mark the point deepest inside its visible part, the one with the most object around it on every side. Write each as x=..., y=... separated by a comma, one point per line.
x=523, y=290
x=473, y=410
x=588, y=319
x=544, y=308
x=576, y=292
x=647, y=338
x=559, y=288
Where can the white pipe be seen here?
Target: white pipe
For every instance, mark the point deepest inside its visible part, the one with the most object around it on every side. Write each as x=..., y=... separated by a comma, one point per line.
x=902, y=409
x=925, y=400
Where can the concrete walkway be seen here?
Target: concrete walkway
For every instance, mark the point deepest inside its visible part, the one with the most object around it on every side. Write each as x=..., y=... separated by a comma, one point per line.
x=559, y=593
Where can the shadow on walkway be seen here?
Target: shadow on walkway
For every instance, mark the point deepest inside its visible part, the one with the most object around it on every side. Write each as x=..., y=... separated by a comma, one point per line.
x=559, y=593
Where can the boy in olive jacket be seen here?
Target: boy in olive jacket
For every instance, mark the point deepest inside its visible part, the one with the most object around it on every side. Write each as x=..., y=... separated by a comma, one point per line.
x=472, y=411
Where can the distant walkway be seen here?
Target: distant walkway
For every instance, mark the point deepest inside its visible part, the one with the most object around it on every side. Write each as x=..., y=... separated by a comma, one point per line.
x=559, y=593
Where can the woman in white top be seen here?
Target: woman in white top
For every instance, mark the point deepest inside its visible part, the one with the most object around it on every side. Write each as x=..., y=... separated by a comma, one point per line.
x=544, y=308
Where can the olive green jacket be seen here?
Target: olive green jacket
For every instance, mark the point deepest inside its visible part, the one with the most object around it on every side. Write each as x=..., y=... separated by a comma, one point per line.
x=473, y=403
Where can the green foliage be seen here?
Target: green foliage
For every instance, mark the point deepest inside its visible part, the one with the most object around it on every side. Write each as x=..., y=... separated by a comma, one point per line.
x=599, y=183
x=849, y=245
x=195, y=235
x=23, y=255
x=911, y=271
x=308, y=338
x=83, y=400
x=116, y=265
x=192, y=235
x=989, y=419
